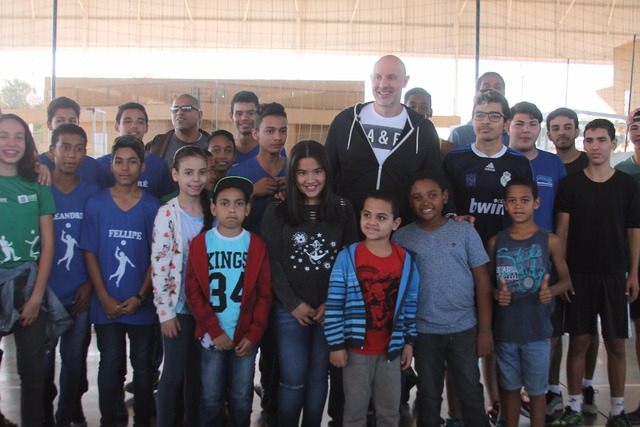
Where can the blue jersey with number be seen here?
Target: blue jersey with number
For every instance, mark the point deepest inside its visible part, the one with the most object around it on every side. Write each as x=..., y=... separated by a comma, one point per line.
x=227, y=259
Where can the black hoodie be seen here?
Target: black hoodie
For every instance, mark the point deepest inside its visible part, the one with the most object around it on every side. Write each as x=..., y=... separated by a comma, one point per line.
x=356, y=170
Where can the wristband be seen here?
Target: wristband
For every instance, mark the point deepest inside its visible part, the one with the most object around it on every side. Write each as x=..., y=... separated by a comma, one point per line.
x=139, y=297
x=484, y=329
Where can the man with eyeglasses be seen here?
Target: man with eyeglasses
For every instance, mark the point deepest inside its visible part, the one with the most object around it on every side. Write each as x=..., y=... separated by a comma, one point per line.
x=464, y=135
x=479, y=172
x=186, y=115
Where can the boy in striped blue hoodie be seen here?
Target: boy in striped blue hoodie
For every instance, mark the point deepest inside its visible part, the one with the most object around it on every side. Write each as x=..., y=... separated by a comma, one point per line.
x=370, y=315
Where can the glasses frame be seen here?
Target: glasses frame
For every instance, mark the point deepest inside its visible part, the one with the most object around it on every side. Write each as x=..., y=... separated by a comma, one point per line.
x=480, y=115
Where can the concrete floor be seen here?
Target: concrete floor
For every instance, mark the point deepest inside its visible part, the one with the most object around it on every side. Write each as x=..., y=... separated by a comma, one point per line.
x=10, y=403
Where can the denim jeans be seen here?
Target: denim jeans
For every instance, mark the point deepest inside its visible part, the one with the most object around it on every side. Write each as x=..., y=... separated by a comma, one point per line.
x=111, y=344
x=29, y=356
x=222, y=372
x=180, y=376
x=71, y=355
x=459, y=352
x=304, y=357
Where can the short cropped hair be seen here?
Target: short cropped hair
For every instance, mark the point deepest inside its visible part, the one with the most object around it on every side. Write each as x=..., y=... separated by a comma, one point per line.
x=225, y=133
x=67, y=129
x=62, y=103
x=386, y=196
x=489, y=95
x=563, y=112
x=528, y=108
x=131, y=106
x=244, y=96
x=487, y=74
x=417, y=91
x=601, y=124
x=265, y=110
x=129, y=141
x=525, y=181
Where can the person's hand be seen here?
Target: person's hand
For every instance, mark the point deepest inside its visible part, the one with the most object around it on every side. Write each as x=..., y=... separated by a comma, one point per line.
x=266, y=186
x=110, y=306
x=566, y=295
x=407, y=357
x=631, y=288
x=545, y=293
x=81, y=299
x=304, y=314
x=319, y=317
x=170, y=328
x=469, y=218
x=244, y=348
x=129, y=306
x=223, y=342
x=282, y=184
x=484, y=343
x=338, y=358
x=504, y=296
x=44, y=175
x=29, y=311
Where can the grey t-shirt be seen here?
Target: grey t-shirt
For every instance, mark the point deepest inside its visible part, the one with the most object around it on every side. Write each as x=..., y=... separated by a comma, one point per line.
x=175, y=144
x=445, y=257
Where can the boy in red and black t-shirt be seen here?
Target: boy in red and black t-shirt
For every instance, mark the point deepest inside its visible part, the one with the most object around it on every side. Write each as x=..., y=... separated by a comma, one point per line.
x=370, y=315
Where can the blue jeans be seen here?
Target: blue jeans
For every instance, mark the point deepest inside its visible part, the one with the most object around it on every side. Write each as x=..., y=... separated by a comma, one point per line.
x=111, y=344
x=459, y=352
x=71, y=359
x=180, y=376
x=304, y=357
x=223, y=371
x=29, y=357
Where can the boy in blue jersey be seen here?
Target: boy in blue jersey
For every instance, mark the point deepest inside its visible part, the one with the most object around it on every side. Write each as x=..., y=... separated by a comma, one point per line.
x=68, y=278
x=370, y=315
x=60, y=111
x=228, y=289
x=267, y=169
x=116, y=237
x=548, y=169
x=132, y=119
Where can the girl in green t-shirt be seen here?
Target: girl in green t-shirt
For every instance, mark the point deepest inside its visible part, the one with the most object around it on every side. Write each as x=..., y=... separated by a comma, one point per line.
x=26, y=238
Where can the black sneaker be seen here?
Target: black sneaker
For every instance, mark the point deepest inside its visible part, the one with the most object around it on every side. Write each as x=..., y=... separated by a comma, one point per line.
x=569, y=418
x=589, y=406
x=493, y=411
x=619, y=421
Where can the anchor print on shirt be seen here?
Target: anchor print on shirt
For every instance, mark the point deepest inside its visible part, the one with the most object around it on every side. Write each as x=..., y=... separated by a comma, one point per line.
x=312, y=252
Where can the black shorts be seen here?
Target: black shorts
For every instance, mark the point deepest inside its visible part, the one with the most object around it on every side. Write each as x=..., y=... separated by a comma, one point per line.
x=634, y=307
x=598, y=294
x=557, y=318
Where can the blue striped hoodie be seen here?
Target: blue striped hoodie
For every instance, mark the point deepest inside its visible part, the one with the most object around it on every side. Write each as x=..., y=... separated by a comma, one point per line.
x=345, y=314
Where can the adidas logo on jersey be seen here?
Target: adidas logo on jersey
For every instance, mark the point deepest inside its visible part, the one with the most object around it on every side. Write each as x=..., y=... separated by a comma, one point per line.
x=490, y=167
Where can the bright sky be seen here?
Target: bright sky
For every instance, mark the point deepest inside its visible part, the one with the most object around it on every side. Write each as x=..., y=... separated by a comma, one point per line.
x=541, y=83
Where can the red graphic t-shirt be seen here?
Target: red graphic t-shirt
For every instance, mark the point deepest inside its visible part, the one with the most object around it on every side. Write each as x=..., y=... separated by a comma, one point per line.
x=379, y=279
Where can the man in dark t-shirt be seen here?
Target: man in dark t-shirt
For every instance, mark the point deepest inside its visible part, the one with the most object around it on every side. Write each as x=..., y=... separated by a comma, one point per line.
x=563, y=129
x=186, y=115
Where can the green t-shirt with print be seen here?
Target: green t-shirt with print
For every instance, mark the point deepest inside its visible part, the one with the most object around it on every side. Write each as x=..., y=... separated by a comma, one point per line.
x=22, y=203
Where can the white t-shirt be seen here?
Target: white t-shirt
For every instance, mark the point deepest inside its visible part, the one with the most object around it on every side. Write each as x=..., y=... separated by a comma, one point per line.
x=382, y=132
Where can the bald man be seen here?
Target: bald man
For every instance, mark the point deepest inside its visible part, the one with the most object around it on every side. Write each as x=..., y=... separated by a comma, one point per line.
x=381, y=144
x=186, y=115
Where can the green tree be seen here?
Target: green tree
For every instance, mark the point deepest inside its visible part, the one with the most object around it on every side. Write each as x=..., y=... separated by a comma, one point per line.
x=13, y=93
